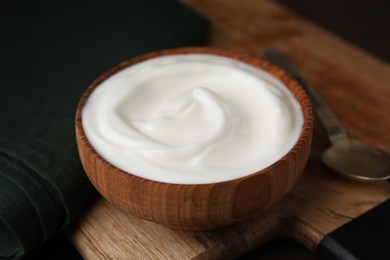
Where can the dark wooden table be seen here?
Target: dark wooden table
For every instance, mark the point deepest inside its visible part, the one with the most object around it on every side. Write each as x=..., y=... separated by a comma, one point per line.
x=365, y=23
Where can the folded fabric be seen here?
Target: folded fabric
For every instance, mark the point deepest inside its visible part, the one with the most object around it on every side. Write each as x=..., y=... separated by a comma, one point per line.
x=50, y=52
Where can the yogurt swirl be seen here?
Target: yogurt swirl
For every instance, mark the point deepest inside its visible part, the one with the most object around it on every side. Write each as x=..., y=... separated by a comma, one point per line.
x=192, y=119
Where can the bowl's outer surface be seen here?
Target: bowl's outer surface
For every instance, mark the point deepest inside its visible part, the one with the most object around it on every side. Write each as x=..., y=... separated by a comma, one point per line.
x=203, y=206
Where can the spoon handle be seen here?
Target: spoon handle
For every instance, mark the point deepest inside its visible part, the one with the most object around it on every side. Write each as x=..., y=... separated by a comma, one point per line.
x=329, y=120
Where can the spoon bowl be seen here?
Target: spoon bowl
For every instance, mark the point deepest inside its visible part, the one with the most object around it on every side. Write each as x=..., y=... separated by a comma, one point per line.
x=357, y=161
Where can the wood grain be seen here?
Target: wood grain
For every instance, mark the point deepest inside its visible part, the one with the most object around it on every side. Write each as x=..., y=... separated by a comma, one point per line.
x=203, y=206
x=352, y=82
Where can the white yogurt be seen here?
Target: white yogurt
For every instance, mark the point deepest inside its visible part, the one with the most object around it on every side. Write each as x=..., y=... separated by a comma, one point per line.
x=192, y=119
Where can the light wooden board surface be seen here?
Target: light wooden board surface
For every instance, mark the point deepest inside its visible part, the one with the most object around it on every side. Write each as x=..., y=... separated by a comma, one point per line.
x=352, y=82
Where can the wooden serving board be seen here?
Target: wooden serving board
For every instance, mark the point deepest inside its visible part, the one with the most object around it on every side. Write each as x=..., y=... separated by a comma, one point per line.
x=353, y=83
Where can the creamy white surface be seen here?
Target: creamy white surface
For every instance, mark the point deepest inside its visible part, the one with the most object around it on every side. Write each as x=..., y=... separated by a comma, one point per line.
x=192, y=119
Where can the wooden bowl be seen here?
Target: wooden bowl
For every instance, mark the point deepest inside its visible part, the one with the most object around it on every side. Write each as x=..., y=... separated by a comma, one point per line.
x=198, y=206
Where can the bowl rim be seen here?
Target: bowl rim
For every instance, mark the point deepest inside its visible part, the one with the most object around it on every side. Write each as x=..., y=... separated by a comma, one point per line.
x=292, y=85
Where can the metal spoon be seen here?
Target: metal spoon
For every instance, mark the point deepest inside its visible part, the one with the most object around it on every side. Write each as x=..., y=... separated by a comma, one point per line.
x=349, y=158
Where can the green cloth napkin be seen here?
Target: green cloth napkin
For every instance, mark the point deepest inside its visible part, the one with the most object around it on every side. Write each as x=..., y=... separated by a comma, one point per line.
x=50, y=51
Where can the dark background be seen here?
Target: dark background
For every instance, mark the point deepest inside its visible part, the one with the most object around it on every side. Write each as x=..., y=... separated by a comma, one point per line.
x=364, y=23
